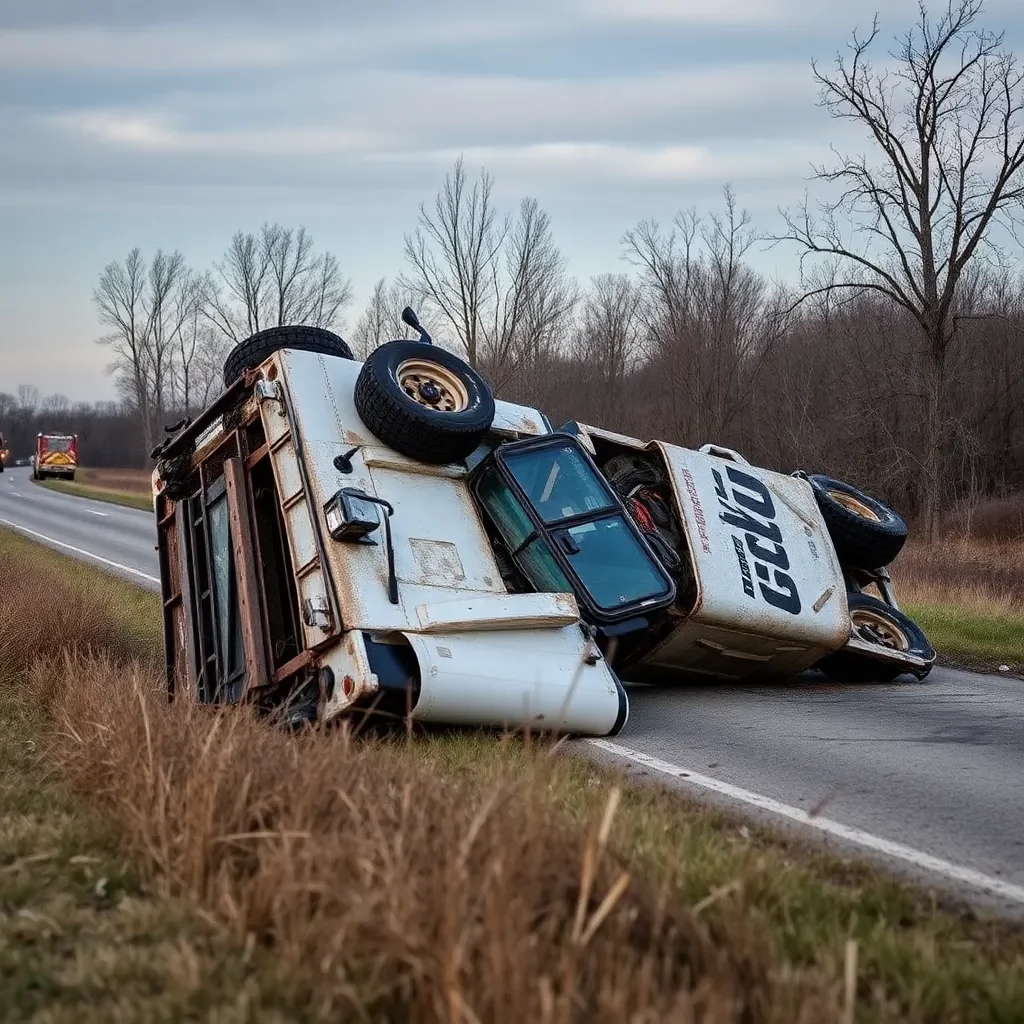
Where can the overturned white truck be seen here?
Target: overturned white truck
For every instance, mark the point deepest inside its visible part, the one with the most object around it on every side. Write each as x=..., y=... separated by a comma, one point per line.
x=385, y=539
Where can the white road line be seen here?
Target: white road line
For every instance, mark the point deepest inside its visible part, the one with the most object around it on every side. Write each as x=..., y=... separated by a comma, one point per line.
x=80, y=551
x=919, y=859
x=95, y=513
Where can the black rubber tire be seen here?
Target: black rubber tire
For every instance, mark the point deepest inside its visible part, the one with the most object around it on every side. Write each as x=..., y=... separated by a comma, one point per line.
x=263, y=344
x=860, y=543
x=71, y=476
x=421, y=433
x=853, y=667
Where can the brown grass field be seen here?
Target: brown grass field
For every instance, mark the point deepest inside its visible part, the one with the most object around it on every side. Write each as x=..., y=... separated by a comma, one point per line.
x=131, y=481
x=983, y=576
x=161, y=862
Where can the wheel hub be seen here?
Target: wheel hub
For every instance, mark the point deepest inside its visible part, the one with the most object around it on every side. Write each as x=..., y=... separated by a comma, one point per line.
x=433, y=386
x=877, y=629
x=851, y=504
x=429, y=391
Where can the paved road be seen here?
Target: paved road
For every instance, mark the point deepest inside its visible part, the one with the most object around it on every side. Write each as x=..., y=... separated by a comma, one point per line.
x=121, y=540
x=937, y=767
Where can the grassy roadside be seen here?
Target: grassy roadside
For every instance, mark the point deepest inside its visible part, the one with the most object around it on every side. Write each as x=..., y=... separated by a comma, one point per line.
x=82, y=938
x=971, y=640
x=454, y=878
x=969, y=599
x=112, y=495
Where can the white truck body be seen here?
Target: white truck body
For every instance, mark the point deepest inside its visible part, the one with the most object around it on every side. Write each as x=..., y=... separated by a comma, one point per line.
x=456, y=645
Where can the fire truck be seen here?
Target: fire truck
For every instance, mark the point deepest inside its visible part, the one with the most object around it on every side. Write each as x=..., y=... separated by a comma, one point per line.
x=55, y=455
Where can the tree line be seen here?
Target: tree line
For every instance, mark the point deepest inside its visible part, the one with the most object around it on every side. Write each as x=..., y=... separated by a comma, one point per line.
x=896, y=362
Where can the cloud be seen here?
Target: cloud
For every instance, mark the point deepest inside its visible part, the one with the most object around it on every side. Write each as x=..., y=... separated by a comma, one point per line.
x=157, y=133
x=709, y=12
x=368, y=110
x=240, y=45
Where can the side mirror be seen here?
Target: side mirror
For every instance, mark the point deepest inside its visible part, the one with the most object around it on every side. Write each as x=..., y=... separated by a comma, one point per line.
x=410, y=318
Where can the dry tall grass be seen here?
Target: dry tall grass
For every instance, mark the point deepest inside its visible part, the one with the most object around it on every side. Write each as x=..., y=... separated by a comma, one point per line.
x=387, y=890
x=132, y=481
x=392, y=892
x=986, y=577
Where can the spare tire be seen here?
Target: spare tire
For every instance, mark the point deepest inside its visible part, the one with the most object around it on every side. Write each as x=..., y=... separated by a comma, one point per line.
x=424, y=401
x=263, y=344
x=865, y=533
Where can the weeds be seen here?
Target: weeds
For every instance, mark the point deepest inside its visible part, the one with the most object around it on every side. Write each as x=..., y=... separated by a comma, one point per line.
x=471, y=879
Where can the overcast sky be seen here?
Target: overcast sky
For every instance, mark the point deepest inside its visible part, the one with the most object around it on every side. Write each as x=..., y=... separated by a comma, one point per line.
x=131, y=122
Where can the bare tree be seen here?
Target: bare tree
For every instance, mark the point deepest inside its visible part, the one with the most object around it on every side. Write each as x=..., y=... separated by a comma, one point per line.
x=151, y=311
x=455, y=254
x=120, y=304
x=704, y=316
x=55, y=405
x=945, y=171
x=192, y=332
x=167, y=300
x=381, y=321
x=534, y=300
x=28, y=400
x=273, y=278
x=500, y=283
x=608, y=338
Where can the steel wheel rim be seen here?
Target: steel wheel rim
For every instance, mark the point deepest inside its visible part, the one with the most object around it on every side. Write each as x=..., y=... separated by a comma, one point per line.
x=854, y=505
x=879, y=630
x=420, y=379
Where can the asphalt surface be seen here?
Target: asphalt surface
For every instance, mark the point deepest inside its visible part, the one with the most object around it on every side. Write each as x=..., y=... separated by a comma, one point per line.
x=120, y=540
x=936, y=766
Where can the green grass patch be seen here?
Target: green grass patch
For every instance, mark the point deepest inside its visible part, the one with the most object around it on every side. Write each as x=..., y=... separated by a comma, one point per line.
x=962, y=635
x=113, y=497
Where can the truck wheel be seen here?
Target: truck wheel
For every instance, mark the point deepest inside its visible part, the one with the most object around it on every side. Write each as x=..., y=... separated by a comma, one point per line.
x=251, y=352
x=71, y=475
x=866, y=534
x=424, y=402
x=878, y=623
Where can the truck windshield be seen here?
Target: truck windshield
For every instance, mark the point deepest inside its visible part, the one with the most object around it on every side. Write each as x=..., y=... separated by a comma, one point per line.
x=570, y=533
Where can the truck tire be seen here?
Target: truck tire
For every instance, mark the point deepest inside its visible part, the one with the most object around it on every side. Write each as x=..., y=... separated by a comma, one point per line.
x=263, y=344
x=865, y=533
x=878, y=622
x=424, y=402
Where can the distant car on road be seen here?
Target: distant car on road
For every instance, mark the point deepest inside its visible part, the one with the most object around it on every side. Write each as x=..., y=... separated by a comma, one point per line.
x=385, y=537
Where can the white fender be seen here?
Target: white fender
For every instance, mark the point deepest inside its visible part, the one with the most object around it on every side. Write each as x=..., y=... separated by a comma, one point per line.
x=516, y=678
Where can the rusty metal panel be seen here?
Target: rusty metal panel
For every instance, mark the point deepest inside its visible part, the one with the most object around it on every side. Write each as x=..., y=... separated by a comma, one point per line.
x=253, y=640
